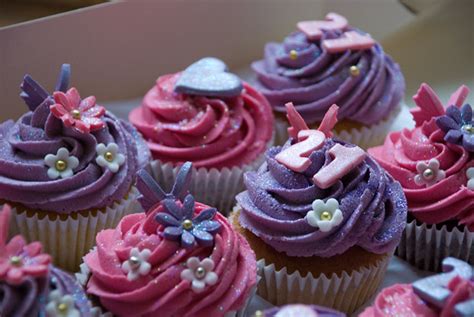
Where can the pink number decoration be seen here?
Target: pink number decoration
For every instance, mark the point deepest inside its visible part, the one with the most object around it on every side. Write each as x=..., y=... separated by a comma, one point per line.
x=434, y=289
x=349, y=41
x=313, y=29
x=345, y=159
x=296, y=156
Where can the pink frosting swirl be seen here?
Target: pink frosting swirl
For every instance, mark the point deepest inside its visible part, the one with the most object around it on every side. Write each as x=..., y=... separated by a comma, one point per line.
x=448, y=198
x=210, y=132
x=399, y=300
x=162, y=291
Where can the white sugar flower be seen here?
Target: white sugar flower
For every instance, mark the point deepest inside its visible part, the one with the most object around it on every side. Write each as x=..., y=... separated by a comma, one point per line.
x=325, y=215
x=137, y=264
x=199, y=273
x=108, y=156
x=470, y=178
x=61, y=164
x=61, y=306
x=429, y=174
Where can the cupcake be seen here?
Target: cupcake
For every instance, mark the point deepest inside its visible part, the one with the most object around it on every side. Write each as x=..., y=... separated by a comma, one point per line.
x=327, y=62
x=449, y=294
x=68, y=169
x=180, y=258
x=209, y=117
x=30, y=285
x=322, y=217
x=434, y=164
x=298, y=310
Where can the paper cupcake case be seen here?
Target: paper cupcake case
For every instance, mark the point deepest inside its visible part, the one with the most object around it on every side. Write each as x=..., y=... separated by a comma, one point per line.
x=83, y=275
x=68, y=238
x=345, y=292
x=214, y=187
x=364, y=137
x=424, y=246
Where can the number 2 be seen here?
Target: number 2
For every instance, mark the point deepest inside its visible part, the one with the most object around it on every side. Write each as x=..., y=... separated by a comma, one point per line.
x=434, y=289
x=296, y=156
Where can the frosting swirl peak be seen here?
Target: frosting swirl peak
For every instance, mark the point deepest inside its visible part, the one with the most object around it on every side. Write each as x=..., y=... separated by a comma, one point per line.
x=366, y=84
x=209, y=131
x=49, y=159
x=277, y=200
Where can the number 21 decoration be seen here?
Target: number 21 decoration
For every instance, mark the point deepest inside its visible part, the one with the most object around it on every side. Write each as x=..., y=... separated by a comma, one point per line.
x=351, y=40
x=296, y=157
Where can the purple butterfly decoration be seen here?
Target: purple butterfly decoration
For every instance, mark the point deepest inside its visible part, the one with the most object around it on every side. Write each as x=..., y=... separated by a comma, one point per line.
x=178, y=216
x=34, y=94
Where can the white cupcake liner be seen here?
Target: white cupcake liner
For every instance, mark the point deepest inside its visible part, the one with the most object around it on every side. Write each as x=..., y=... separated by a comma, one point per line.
x=83, y=275
x=364, y=137
x=424, y=246
x=345, y=292
x=214, y=187
x=67, y=238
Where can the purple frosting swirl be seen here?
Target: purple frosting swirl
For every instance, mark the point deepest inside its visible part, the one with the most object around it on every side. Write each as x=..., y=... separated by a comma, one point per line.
x=23, y=173
x=30, y=297
x=316, y=79
x=277, y=200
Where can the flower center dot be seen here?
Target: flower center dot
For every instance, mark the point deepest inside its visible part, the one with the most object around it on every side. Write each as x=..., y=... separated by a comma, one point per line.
x=109, y=156
x=200, y=272
x=468, y=128
x=61, y=165
x=62, y=308
x=134, y=261
x=293, y=54
x=15, y=260
x=354, y=70
x=76, y=114
x=187, y=224
x=326, y=215
x=428, y=173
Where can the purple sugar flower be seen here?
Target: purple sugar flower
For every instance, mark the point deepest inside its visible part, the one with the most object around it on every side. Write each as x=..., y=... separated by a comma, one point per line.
x=182, y=226
x=458, y=126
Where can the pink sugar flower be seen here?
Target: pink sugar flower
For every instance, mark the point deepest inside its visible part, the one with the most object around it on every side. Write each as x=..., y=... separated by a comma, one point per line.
x=82, y=114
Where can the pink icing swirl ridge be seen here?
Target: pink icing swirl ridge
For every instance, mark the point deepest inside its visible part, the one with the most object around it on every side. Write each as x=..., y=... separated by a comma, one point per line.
x=210, y=132
x=447, y=199
x=401, y=300
x=162, y=291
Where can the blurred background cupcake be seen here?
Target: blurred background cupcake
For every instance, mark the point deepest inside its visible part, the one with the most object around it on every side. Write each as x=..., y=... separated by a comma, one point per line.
x=209, y=117
x=448, y=294
x=322, y=217
x=298, y=310
x=30, y=285
x=434, y=164
x=180, y=258
x=68, y=169
x=327, y=62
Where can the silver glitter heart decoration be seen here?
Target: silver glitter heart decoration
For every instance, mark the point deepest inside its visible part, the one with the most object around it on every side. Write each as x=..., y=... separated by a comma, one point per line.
x=209, y=77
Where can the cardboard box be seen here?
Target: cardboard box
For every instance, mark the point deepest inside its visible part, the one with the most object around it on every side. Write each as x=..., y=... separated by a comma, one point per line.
x=118, y=49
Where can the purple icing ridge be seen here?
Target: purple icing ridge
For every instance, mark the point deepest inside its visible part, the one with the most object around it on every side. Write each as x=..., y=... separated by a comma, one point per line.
x=31, y=296
x=316, y=79
x=277, y=199
x=25, y=143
